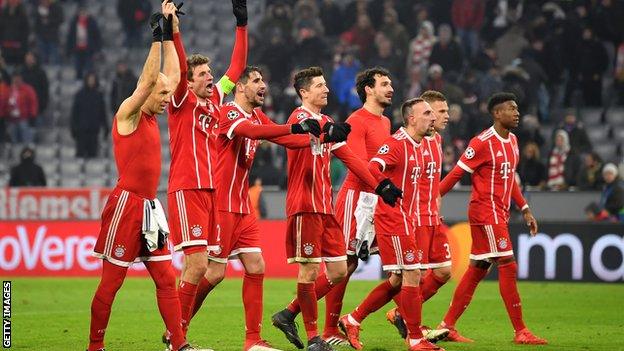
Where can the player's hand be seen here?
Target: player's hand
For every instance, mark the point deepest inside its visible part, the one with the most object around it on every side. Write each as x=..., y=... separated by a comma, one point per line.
x=309, y=125
x=530, y=221
x=168, y=10
x=336, y=132
x=389, y=192
x=157, y=32
x=239, y=8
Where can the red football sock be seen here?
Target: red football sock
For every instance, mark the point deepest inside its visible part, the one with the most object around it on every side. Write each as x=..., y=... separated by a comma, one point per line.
x=187, y=292
x=322, y=286
x=376, y=299
x=412, y=306
x=333, y=306
x=309, y=309
x=397, y=301
x=252, y=300
x=463, y=294
x=167, y=297
x=112, y=279
x=203, y=289
x=509, y=292
x=430, y=285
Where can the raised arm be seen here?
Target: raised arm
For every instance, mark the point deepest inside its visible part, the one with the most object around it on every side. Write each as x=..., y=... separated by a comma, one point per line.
x=182, y=88
x=129, y=109
x=171, y=66
x=239, y=53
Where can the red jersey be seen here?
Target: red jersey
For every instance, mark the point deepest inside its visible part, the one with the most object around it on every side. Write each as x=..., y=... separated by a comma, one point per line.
x=137, y=156
x=429, y=182
x=236, y=155
x=400, y=160
x=492, y=160
x=309, y=181
x=368, y=133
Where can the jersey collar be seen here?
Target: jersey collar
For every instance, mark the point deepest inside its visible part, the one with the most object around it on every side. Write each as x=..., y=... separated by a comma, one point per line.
x=247, y=115
x=314, y=115
x=408, y=137
x=503, y=140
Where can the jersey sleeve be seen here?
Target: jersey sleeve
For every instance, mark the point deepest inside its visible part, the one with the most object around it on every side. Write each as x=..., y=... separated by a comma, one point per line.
x=226, y=84
x=230, y=119
x=357, y=138
x=474, y=155
x=293, y=141
x=388, y=155
x=181, y=92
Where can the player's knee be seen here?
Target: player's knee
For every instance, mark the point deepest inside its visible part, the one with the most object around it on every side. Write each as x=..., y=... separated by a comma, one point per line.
x=255, y=267
x=443, y=273
x=197, y=268
x=352, y=265
x=308, y=272
x=215, y=272
x=395, y=280
x=411, y=277
x=337, y=275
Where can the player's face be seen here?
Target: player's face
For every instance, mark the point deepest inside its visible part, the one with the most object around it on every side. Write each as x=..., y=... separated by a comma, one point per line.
x=382, y=91
x=441, y=111
x=423, y=118
x=159, y=98
x=508, y=114
x=202, y=83
x=254, y=89
x=316, y=94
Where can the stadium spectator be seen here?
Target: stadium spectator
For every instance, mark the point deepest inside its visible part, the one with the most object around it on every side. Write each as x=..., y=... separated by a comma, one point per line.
x=563, y=163
x=530, y=132
x=420, y=48
x=331, y=17
x=531, y=169
x=457, y=127
x=19, y=105
x=310, y=47
x=579, y=141
x=362, y=35
x=83, y=41
x=306, y=17
x=386, y=56
x=27, y=172
x=612, y=198
x=467, y=18
x=343, y=83
x=278, y=17
x=414, y=86
x=257, y=201
x=590, y=176
x=619, y=75
x=446, y=52
x=396, y=33
x=35, y=76
x=88, y=117
x=509, y=46
x=591, y=61
x=48, y=19
x=133, y=15
x=123, y=85
x=14, y=32
x=5, y=77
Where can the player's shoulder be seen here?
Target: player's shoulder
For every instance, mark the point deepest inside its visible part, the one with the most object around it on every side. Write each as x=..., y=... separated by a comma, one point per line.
x=299, y=114
x=231, y=111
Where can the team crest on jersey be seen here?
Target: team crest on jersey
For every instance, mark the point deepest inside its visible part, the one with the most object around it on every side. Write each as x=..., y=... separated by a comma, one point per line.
x=302, y=115
x=196, y=230
x=308, y=249
x=120, y=250
x=383, y=149
x=409, y=256
x=232, y=115
x=470, y=152
x=502, y=243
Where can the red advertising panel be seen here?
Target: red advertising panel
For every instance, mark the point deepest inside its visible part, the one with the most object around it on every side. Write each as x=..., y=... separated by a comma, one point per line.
x=52, y=204
x=63, y=248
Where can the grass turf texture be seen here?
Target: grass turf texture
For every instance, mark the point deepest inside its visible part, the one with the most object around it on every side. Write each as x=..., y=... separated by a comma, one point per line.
x=53, y=314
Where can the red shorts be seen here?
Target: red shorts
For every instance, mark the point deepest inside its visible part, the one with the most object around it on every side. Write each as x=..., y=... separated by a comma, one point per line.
x=238, y=233
x=120, y=241
x=346, y=202
x=490, y=240
x=193, y=218
x=398, y=252
x=314, y=237
x=433, y=247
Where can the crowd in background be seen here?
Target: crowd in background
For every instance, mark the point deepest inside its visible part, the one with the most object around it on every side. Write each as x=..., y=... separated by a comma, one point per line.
x=555, y=56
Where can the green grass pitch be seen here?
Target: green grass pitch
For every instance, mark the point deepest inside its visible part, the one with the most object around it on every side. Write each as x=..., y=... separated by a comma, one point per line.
x=53, y=314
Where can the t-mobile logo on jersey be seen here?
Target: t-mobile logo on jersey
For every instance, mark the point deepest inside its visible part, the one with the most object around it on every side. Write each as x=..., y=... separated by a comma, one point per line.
x=204, y=122
x=505, y=170
x=415, y=174
x=431, y=169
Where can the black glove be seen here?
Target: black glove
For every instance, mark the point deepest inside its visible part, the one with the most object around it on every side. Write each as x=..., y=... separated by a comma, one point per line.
x=311, y=126
x=388, y=191
x=162, y=239
x=157, y=33
x=167, y=28
x=336, y=132
x=178, y=11
x=239, y=8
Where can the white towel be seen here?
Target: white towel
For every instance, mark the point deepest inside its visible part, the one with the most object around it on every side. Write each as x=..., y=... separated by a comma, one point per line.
x=364, y=219
x=154, y=221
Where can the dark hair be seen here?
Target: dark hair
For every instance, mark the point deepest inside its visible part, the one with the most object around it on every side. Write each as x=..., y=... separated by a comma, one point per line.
x=244, y=77
x=366, y=78
x=498, y=99
x=432, y=96
x=406, y=108
x=194, y=61
x=304, y=77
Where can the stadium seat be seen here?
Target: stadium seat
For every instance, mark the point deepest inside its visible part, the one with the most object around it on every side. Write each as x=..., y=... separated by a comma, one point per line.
x=70, y=182
x=67, y=153
x=95, y=167
x=46, y=153
x=71, y=168
x=96, y=181
x=50, y=168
